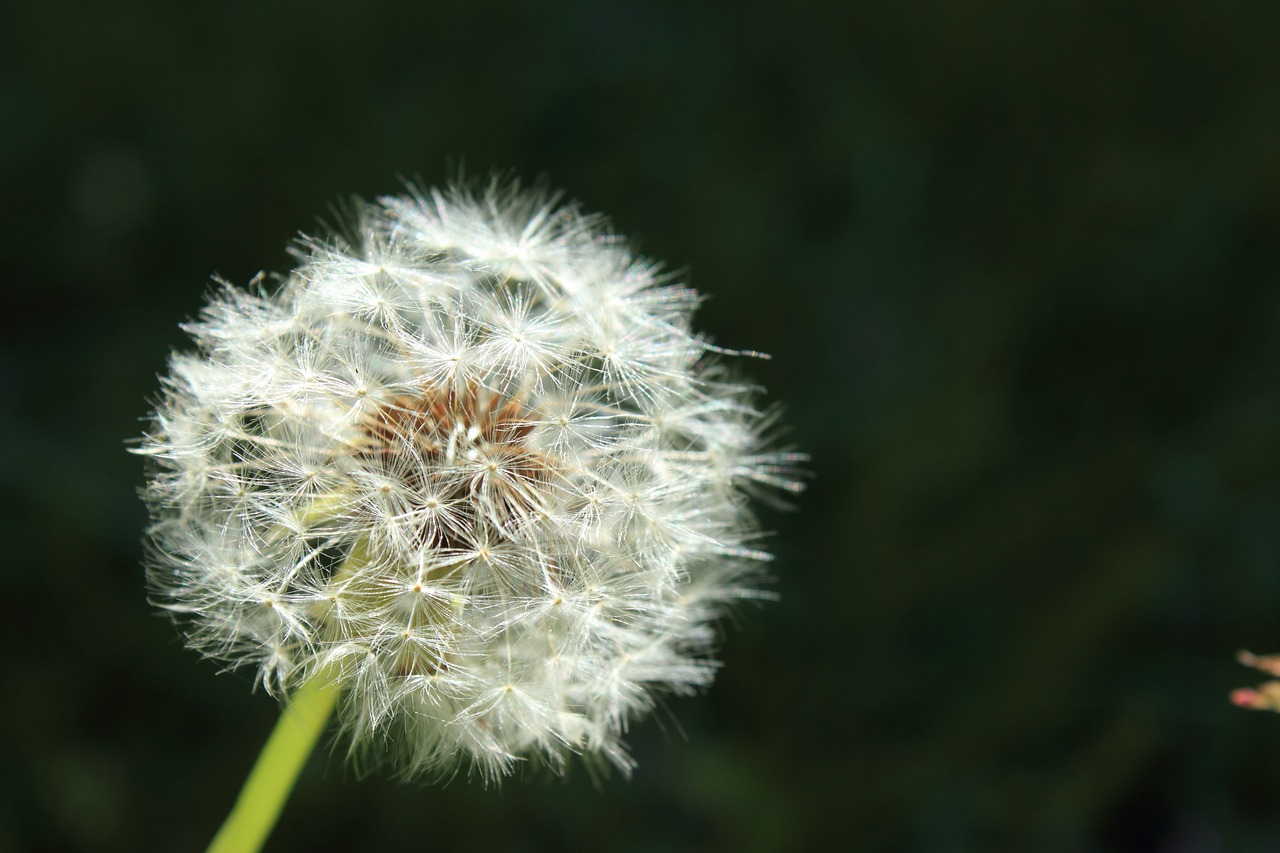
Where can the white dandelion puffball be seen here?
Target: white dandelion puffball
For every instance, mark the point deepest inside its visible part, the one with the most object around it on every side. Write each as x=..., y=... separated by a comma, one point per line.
x=474, y=466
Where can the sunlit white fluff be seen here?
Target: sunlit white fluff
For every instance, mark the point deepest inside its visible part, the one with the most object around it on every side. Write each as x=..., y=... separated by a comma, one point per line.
x=475, y=464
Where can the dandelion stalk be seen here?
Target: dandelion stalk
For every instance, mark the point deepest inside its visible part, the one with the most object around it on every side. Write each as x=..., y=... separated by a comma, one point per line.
x=263, y=796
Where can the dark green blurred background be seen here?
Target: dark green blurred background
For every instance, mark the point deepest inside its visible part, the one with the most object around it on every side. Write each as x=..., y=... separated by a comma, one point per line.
x=1019, y=267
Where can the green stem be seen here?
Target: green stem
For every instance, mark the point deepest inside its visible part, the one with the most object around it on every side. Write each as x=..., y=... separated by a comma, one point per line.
x=263, y=797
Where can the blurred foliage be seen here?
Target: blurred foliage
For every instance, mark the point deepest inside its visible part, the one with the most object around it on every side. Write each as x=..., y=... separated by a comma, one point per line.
x=1018, y=267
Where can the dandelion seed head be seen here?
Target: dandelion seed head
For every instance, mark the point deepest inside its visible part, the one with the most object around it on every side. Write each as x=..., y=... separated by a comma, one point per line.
x=475, y=462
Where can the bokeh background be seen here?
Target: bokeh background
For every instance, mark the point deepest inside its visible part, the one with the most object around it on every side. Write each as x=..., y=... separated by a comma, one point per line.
x=1019, y=269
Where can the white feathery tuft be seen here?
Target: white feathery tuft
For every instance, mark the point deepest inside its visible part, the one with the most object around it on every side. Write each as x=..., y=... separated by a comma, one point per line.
x=478, y=465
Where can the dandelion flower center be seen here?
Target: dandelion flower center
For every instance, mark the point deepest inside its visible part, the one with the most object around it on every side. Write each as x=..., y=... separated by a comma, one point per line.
x=460, y=459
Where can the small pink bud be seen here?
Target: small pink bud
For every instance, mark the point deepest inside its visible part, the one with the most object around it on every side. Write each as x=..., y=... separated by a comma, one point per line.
x=1246, y=698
